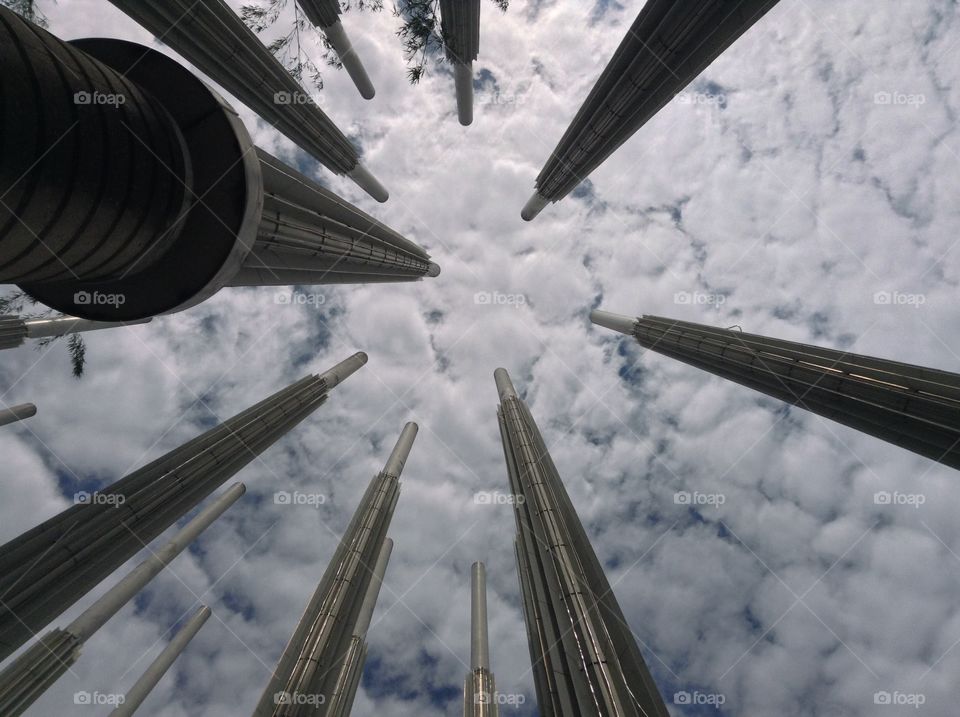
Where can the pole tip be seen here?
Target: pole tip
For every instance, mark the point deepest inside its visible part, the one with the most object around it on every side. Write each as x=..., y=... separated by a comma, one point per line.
x=368, y=183
x=434, y=269
x=617, y=322
x=504, y=384
x=533, y=207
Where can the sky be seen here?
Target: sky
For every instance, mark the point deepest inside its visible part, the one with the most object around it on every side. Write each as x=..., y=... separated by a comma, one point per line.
x=803, y=187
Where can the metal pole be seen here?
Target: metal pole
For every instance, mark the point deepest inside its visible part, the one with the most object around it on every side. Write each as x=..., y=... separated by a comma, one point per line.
x=62, y=325
x=17, y=413
x=94, y=617
x=398, y=457
x=479, y=639
x=149, y=679
x=338, y=38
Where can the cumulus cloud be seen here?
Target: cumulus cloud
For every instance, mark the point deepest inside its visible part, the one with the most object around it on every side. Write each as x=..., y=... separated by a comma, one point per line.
x=807, y=179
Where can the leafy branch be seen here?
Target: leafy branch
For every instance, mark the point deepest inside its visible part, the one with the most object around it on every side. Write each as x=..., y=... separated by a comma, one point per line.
x=288, y=48
x=421, y=33
x=21, y=304
x=27, y=9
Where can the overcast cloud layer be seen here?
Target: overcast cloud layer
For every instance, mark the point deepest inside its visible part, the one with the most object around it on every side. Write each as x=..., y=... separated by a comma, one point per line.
x=812, y=166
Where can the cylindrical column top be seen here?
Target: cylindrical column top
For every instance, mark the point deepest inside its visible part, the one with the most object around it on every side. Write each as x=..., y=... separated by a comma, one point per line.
x=617, y=322
x=479, y=639
x=398, y=458
x=343, y=369
x=17, y=413
x=504, y=384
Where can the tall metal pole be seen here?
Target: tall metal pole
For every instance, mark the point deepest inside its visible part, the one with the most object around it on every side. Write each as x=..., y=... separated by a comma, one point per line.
x=17, y=413
x=584, y=658
x=148, y=680
x=325, y=16
x=461, y=35
x=15, y=330
x=911, y=406
x=668, y=45
x=31, y=674
x=479, y=688
x=47, y=569
x=317, y=673
x=214, y=39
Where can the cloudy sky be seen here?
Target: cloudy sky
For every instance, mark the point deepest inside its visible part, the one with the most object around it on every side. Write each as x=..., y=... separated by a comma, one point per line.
x=813, y=166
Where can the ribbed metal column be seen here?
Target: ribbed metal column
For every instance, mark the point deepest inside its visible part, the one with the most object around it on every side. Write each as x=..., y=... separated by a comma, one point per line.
x=14, y=330
x=585, y=660
x=158, y=668
x=669, y=44
x=910, y=406
x=325, y=15
x=308, y=235
x=347, y=682
x=95, y=174
x=305, y=679
x=460, y=25
x=32, y=674
x=17, y=413
x=479, y=688
x=48, y=568
x=212, y=37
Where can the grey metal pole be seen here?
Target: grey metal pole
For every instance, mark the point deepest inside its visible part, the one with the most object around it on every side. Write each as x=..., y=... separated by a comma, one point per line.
x=373, y=591
x=149, y=679
x=61, y=325
x=34, y=671
x=463, y=83
x=479, y=640
x=17, y=413
x=338, y=38
x=398, y=457
x=911, y=406
x=94, y=617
